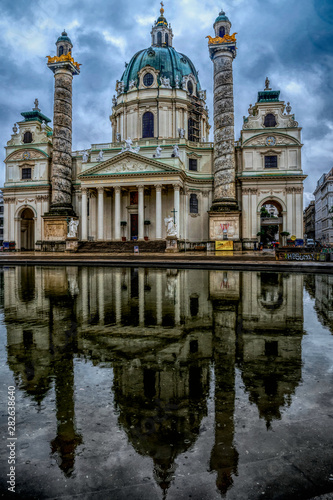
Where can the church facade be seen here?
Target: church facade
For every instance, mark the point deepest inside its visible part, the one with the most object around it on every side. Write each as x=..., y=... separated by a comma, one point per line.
x=159, y=179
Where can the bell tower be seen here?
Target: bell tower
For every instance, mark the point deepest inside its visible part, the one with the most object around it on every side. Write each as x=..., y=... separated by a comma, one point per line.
x=224, y=213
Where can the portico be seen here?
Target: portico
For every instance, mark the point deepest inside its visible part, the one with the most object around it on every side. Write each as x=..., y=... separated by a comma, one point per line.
x=107, y=211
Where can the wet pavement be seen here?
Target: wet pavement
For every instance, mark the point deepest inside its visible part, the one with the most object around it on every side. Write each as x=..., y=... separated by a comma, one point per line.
x=162, y=383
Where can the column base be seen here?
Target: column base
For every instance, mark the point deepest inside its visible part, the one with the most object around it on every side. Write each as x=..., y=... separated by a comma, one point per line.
x=224, y=206
x=65, y=210
x=224, y=225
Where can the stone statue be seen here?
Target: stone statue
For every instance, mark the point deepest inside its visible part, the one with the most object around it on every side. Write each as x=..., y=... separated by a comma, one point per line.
x=171, y=227
x=136, y=150
x=15, y=128
x=128, y=143
x=267, y=82
x=165, y=83
x=114, y=101
x=85, y=157
x=132, y=84
x=43, y=125
x=250, y=110
x=118, y=137
x=100, y=156
x=177, y=81
x=181, y=133
x=175, y=152
x=202, y=95
x=36, y=105
x=158, y=152
x=288, y=108
x=72, y=228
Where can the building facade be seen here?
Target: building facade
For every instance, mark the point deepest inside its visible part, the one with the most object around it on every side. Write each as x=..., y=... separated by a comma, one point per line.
x=323, y=204
x=159, y=177
x=309, y=220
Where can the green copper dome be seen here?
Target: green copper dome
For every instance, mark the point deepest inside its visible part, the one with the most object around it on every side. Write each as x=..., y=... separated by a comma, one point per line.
x=166, y=60
x=64, y=38
x=221, y=17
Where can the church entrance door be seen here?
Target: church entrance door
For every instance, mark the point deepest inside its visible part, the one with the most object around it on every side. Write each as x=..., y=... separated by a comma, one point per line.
x=27, y=230
x=134, y=225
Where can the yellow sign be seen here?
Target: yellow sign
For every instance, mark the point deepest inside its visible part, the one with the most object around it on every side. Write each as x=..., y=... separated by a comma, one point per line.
x=293, y=237
x=224, y=245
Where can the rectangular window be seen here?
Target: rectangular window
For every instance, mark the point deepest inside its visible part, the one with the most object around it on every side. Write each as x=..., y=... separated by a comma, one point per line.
x=193, y=204
x=193, y=164
x=26, y=173
x=271, y=162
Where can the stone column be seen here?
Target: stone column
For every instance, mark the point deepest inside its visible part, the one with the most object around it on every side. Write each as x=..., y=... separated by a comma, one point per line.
x=222, y=55
x=141, y=212
x=117, y=213
x=100, y=214
x=176, y=188
x=6, y=221
x=158, y=220
x=84, y=214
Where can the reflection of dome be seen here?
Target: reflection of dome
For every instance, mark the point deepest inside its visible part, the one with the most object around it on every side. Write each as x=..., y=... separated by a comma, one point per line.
x=166, y=60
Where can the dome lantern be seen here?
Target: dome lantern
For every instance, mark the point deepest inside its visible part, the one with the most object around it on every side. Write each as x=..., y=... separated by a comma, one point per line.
x=222, y=25
x=161, y=33
x=64, y=44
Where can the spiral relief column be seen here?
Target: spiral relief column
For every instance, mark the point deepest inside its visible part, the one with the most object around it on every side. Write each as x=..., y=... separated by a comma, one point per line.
x=64, y=68
x=224, y=213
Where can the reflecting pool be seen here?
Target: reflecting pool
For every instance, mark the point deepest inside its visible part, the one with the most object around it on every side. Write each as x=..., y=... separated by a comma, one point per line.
x=135, y=383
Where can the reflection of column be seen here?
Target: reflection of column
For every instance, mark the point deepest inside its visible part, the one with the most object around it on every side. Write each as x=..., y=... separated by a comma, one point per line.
x=141, y=296
x=117, y=291
x=177, y=300
x=158, y=219
x=84, y=294
x=141, y=212
x=159, y=297
x=117, y=214
x=84, y=214
x=101, y=296
x=176, y=188
x=186, y=234
x=100, y=213
x=224, y=456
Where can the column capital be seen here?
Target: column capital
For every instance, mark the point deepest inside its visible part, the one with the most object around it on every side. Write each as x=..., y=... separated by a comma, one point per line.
x=176, y=187
x=140, y=187
x=100, y=189
x=117, y=189
x=158, y=187
x=84, y=190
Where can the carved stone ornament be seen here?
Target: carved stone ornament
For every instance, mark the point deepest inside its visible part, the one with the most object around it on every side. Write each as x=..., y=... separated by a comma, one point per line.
x=205, y=194
x=130, y=166
x=269, y=140
x=42, y=197
x=31, y=154
x=9, y=200
x=165, y=83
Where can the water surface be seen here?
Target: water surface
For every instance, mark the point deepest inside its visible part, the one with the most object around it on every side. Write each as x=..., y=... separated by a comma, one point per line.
x=150, y=384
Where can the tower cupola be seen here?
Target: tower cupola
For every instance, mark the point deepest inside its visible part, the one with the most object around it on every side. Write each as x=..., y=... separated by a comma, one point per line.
x=64, y=44
x=161, y=33
x=222, y=25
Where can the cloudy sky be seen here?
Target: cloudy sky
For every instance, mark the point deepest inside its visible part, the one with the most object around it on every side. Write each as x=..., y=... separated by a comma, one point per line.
x=290, y=41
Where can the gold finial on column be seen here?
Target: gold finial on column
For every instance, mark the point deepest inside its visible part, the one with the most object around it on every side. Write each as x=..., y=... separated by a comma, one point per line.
x=162, y=10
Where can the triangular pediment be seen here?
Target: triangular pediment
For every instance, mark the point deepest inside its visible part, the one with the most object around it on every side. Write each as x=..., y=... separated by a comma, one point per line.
x=128, y=163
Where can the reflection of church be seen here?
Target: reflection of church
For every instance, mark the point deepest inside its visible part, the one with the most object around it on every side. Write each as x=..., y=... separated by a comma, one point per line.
x=159, y=162
x=164, y=337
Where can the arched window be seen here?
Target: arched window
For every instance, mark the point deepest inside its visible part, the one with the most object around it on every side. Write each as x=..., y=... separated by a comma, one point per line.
x=148, y=125
x=190, y=87
x=159, y=38
x=61, y=50
x=270, y=120
x=166, y=39
x=222, y=31
x=27, y=137
x=193, y=204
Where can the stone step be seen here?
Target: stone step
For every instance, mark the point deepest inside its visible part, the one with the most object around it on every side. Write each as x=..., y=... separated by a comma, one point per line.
x=121, y=246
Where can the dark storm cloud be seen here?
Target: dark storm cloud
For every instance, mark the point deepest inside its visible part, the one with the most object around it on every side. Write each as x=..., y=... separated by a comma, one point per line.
x=287, y=40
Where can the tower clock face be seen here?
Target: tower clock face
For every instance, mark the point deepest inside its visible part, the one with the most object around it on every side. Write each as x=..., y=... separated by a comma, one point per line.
x=270, y=141
x=26, y=155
